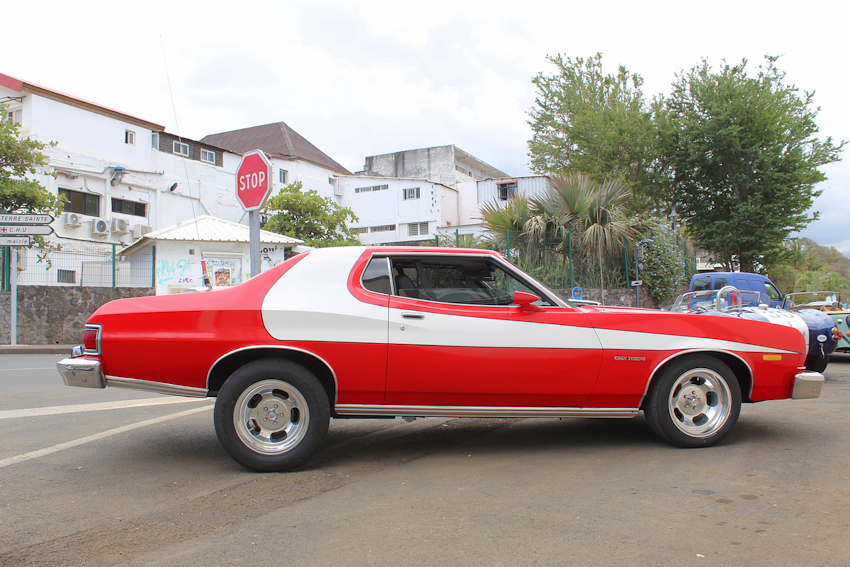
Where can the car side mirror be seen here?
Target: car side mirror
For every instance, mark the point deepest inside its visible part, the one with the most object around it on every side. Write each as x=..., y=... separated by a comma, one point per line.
x=525, y=301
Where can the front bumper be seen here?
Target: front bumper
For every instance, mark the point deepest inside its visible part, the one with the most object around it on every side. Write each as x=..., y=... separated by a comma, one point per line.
x=807, y=385
x=81, y=372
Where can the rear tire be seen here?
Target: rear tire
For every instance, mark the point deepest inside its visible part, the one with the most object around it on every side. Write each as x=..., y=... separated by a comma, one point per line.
x=271, y=415
x=695, y=402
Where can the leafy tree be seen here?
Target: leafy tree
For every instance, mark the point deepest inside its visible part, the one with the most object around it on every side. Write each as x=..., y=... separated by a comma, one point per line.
x=743, y=157
x=822, y=280
x=20, y=157
x=585, y=120
x=793, y=260
x=306, y=215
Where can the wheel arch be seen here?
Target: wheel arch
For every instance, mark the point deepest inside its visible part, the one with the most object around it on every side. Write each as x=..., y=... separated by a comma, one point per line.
x=739, y=367
x=228, y=363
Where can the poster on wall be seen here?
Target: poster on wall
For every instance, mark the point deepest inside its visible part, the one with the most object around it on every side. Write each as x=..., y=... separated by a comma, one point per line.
x=223, y=277
x=224, y=271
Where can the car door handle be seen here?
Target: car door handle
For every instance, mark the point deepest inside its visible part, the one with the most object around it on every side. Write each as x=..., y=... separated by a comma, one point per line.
x=413, y=315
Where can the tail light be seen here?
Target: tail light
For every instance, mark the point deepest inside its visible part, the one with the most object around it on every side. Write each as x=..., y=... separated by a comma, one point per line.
x=836, y=334
x=91, y=340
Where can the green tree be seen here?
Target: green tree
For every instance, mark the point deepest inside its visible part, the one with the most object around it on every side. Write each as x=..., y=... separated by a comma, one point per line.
x=306, y=215
x=585, y=120
x=20, y=157
x=743, y=157
x=792, y=261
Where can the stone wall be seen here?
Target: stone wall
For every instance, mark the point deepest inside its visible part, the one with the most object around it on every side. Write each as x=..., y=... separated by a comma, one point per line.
x=617, y=297
x=57, y=315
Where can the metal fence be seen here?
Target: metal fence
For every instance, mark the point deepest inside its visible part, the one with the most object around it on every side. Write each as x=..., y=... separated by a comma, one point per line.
x=94, y=264
x=561, y=264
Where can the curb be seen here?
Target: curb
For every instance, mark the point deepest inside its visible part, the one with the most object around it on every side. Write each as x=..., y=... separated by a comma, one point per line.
x=36, y=349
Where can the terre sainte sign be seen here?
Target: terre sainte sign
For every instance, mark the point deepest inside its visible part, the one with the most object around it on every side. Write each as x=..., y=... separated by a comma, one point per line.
x=25, y=229
x=253, y=180
x=15, y=240
x=11, y=218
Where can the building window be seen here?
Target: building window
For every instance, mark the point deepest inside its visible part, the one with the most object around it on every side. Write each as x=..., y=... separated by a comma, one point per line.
x=417, y=228
x=371, y=188
x=506, y=190
x=80, y=203
x=14, y=116
x=129, y=137
x=66, y=276
x=410, y=193
x=207, y=156
x=382, y=228
x=155, y=141
x=181, y=148
x=362, y=230
x=129, y=207
x=283, y=174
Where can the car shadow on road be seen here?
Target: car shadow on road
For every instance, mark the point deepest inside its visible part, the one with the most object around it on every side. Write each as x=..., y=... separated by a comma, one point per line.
x=391, y=442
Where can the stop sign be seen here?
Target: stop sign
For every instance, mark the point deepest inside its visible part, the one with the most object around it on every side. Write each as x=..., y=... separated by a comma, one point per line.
x=253, y=180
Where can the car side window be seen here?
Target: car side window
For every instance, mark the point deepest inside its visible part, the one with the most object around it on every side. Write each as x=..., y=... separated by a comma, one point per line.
x=468, y=281
x=376, y=276
x=772, y=292
x=702, y=284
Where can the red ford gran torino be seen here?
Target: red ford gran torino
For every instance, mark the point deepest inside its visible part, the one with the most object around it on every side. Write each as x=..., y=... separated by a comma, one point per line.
x=418, y=332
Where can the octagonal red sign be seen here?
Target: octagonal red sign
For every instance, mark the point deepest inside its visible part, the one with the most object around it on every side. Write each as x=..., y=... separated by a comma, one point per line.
x=253, y=180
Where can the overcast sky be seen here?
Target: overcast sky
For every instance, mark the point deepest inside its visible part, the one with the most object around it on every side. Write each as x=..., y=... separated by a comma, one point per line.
x=362, y=78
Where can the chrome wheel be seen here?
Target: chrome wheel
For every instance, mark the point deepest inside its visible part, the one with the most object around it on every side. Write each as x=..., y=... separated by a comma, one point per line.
x=694, y=401
x=700, y=402
x=271, y=417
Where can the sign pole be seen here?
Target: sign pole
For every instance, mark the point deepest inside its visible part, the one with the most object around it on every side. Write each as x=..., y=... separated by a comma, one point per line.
x=13, y=316
x=254, y=245
x=253, y=187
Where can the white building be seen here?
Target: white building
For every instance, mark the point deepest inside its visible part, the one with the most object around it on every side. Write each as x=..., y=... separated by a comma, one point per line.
x=441, y=164
x=181, y=252
x=123, y=176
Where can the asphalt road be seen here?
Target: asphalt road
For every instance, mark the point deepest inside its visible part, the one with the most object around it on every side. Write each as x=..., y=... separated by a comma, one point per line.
x=114, y=477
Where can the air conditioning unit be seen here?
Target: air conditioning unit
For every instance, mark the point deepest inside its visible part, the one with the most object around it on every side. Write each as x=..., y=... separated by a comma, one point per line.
x=140, y=230
x=99, y=227
x=120, y=226
x=72, y=220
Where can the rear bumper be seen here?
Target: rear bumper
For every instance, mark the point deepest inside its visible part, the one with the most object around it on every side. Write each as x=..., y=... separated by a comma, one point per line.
x=807, y=385
x=81, y=372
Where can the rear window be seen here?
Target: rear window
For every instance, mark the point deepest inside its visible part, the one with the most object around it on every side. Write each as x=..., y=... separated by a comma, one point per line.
x=719, y=283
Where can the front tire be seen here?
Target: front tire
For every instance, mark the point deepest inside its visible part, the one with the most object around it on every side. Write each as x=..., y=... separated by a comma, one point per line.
x=694, y=402
x=271, y=415
x=817, y=363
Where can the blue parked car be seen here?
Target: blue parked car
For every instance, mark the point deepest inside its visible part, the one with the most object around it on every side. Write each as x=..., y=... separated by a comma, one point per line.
x=768, y=293
x=757, y=290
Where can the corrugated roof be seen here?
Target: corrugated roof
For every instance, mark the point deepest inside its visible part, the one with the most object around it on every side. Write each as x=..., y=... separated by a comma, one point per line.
x=276, y=140
x=210, y=229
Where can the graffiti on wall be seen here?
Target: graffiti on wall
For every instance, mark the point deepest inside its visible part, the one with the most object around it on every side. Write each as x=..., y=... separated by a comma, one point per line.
x=174, y=272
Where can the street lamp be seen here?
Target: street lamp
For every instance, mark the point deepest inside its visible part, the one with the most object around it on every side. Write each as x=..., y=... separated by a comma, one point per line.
x=674, y=216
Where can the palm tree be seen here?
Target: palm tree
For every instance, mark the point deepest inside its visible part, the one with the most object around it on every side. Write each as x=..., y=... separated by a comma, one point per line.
x=573, y=204
x=606, y=224
x=507, y=223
